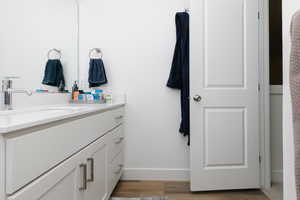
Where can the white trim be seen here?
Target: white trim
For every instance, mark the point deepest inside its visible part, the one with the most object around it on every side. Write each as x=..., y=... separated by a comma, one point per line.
x=2, y=169
x=78, y=41
x=277, y=176
x=276, y=90
x=264, y=69
x=156, y=174
x=77, y=3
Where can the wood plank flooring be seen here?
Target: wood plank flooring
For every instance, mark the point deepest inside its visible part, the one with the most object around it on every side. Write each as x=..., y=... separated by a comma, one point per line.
x=179, y=191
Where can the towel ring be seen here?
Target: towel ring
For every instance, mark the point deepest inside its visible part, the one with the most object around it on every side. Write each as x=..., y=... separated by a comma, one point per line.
x=54, y=50
x=96, y=50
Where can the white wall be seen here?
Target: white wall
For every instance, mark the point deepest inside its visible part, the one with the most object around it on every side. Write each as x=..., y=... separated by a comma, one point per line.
x=138, y=38
x=276, y=133
x=289, y=7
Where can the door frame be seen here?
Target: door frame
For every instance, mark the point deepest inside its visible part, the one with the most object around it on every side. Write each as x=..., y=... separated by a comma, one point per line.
x=264, y=95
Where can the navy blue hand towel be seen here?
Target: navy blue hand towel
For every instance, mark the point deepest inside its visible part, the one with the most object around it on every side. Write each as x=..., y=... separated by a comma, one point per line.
x=179, y=75
x=54, y=75
x=97, y=75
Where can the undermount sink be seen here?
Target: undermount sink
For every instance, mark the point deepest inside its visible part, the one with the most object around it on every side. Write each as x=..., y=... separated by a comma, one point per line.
x=42, y=111
x=35, y=114
x=64, y=108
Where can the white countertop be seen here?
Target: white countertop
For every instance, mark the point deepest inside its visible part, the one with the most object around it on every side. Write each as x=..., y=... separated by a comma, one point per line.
x=15, y=120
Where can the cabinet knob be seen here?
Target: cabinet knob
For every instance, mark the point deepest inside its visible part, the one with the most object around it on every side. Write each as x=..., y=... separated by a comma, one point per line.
x=120, y=169
x=119, y=117
x=119, y=140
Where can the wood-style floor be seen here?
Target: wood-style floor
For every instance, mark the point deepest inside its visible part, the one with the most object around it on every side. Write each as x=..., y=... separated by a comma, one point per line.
x=179, y=191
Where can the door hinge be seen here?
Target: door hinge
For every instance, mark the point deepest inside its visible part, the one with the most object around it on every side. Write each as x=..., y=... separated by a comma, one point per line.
x=259, y=88
x=259, y=158
x=258, y=15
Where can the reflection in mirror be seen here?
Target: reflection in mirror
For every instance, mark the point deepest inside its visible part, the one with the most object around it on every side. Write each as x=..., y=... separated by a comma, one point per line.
x=29, y=29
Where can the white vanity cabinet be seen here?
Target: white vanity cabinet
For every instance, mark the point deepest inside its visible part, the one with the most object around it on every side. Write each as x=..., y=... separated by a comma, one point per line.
x=89, y=165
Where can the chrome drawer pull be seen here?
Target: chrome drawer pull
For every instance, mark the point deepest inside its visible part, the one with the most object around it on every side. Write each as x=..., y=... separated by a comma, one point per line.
x=119, y=170
x=84, y=175
x=120, y=140
x=119, y=117
x=91, y=161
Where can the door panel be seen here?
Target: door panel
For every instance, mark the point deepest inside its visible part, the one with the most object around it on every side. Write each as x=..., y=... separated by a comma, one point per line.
x=97, y=172
x=224, y=36
x=224, y=72
x=220, y=150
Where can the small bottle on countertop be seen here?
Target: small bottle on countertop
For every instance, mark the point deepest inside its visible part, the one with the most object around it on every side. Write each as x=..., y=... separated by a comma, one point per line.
x=75, y=92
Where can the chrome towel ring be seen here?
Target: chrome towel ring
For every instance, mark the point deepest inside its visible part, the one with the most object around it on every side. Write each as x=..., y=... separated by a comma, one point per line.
x=54, y=50
x=95, y=51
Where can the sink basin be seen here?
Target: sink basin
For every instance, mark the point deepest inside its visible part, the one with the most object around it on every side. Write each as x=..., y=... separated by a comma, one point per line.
x=36, y=114
x=64, y=108
x=41, y=111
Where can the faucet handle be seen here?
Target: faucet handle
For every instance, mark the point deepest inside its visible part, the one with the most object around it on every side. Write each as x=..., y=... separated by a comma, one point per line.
x=8, y=82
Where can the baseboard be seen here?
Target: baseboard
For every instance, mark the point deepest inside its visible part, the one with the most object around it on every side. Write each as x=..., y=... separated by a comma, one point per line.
x=156, y=174
x=277, y=176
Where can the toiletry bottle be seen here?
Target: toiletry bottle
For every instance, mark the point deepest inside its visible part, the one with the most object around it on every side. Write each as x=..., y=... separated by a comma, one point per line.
x=75, y=92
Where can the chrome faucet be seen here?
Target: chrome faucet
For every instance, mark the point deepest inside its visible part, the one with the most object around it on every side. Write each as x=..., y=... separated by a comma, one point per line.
x=7, y=90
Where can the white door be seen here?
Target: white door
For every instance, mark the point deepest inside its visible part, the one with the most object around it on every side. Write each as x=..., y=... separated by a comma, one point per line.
x=224, y=73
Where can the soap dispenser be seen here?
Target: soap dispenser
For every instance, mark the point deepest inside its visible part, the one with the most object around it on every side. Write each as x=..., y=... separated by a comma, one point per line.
x=75, y=91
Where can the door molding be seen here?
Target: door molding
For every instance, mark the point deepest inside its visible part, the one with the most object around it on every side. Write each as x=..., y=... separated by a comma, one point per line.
x=264, y=69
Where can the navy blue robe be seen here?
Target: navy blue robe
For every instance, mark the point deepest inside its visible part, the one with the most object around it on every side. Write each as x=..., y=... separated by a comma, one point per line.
x=179, y=75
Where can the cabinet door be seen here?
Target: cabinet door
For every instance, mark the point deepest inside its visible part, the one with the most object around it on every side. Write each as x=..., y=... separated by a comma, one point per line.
x=97, y=172
x=61, y=183
x=65, y=189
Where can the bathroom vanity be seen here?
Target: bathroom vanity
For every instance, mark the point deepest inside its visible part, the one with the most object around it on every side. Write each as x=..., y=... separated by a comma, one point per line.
x=61, y=152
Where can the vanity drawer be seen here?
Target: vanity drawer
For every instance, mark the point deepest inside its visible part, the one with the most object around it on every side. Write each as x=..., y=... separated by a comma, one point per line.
x=116, y=170
x=32, y=152
x=116, y=142
x=118, y=116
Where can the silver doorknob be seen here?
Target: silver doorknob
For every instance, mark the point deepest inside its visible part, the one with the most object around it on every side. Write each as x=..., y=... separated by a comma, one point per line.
x=197, y=98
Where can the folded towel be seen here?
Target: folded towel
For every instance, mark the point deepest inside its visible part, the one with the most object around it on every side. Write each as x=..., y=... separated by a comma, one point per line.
x=54, y=75
x=97, y=75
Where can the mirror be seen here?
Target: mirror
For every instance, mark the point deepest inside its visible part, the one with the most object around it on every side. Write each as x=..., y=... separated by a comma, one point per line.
x=29, y=29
